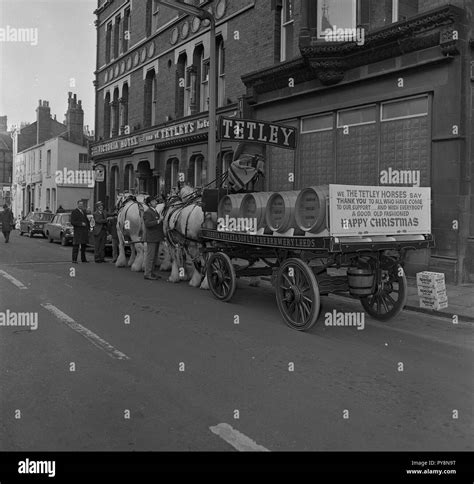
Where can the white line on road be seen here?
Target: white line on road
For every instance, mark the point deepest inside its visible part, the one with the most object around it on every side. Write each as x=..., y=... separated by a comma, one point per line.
x=13, y=280
x=235, y=438
x=83, y=331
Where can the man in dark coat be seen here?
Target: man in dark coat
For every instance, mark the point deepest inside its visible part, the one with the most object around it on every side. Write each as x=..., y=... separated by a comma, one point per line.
x=81, y=225
x=100, y=233
x=153, y=236
x=112, y=229
x=8, y=222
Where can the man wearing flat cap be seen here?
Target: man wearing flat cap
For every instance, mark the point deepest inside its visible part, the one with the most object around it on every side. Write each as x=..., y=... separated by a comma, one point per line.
x=100, y=233
x=153, y=236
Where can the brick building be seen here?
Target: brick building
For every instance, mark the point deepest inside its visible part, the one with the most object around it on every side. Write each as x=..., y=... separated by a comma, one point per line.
x=398, y=98
x=401, y=100
x=43, y=148
x=152, y=88
x=6, y=162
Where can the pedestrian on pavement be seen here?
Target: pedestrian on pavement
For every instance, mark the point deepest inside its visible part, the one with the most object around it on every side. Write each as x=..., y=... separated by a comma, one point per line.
x=60, y=209
x=8, y=222
x=81, y=225
x=153, y=236
x=47, y=210
x=100, y=233
x=112, y=229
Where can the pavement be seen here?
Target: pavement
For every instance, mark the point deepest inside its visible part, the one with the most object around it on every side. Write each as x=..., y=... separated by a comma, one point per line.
x=120, y=363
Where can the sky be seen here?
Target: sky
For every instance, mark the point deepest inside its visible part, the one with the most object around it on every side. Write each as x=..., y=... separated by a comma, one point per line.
x=63, y=59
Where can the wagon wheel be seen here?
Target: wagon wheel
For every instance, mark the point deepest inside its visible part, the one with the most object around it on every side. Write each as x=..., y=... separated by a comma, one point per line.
x=221, y=276
x=391, y=292
x=297, y=294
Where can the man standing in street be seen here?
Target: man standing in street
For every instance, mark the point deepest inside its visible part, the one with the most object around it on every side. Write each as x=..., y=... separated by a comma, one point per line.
x=100, y=233
x=112, y=228
x=8, y=222
x=153, y=236
x=81, y=225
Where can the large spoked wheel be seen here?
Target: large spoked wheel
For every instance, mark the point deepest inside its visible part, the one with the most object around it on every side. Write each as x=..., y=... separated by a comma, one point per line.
x=391, y=292
x=297, y=294
x=221, y=276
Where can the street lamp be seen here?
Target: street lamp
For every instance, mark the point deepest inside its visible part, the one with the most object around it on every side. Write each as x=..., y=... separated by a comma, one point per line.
x=205, y=15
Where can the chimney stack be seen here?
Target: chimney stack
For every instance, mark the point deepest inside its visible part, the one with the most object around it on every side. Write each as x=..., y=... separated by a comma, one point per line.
x=3, y=124
x=43, y=121
x=75, y=120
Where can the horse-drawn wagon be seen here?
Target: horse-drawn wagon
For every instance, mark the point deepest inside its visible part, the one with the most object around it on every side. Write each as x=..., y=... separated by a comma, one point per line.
x=318, y=241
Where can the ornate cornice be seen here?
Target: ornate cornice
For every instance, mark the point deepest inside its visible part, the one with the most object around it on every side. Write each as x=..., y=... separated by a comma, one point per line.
x=329, y=61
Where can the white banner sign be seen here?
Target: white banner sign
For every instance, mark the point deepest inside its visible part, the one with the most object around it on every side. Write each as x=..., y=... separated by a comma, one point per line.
x=365, y=211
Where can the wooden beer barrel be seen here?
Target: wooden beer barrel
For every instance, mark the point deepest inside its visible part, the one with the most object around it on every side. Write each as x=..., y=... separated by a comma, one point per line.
x=310, y=210
x=280, y=212
x=254, y=205
x=230, y=205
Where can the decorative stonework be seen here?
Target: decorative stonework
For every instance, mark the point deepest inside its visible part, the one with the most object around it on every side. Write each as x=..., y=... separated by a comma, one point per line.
x=329, y=61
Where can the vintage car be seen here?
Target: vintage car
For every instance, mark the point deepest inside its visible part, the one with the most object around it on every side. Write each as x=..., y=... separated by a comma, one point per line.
x=34, y=223
x=60, y=229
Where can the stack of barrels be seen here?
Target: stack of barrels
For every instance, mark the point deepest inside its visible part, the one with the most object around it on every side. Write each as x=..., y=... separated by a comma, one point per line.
x=288, y=212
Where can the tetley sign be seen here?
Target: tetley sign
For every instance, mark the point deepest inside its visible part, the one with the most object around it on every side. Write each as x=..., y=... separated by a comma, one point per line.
x=234, y=129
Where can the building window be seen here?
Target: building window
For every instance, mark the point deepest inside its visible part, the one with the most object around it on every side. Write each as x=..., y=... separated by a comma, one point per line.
x=188, y=90
x=126, y=30
x=408, y=108
x=366, y=14
x=48, y=163
x=220, y=72
x=204, y=96
x=107, y=116
x=48, y=198
x=128, y=178
x=180, y=85
x=115, y=113
x=124, y=109
x=156, y=13
x=117, y=33
x=200, y=172
x=148, y=17
x=287, y=30
x=40, y=160
x=317, y=123
x=356, y=117
x=150, y=99
x=172, y=174
x=108, y=43
x=53, y=200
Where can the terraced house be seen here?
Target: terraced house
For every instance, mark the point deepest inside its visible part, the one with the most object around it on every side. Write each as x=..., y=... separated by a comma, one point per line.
x=375, y=88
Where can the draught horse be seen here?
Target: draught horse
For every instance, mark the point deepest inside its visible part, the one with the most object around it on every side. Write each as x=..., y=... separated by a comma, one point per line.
x=131, y=230
x=182, y=224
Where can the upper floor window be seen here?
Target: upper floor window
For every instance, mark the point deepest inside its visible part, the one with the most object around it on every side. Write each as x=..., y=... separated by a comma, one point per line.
x=148, y=17
x=126, y=30
x=365, y=14
x=205, y=70
x=108, y=42
x=48, y=163
x=220, y=72
x=287, y=30
x=117, y=33
x=156, y=13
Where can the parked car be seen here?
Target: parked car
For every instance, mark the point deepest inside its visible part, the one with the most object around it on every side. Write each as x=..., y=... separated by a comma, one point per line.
x=34, y=223
x=60, y=229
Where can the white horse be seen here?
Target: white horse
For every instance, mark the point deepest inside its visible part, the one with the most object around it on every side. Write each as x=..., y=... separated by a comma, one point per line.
x=182, y=227
x=131, y=231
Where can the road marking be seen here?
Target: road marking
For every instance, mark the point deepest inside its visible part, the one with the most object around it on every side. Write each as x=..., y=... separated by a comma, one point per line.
x=83, y=331
x=13, y=280
x=235, y=438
